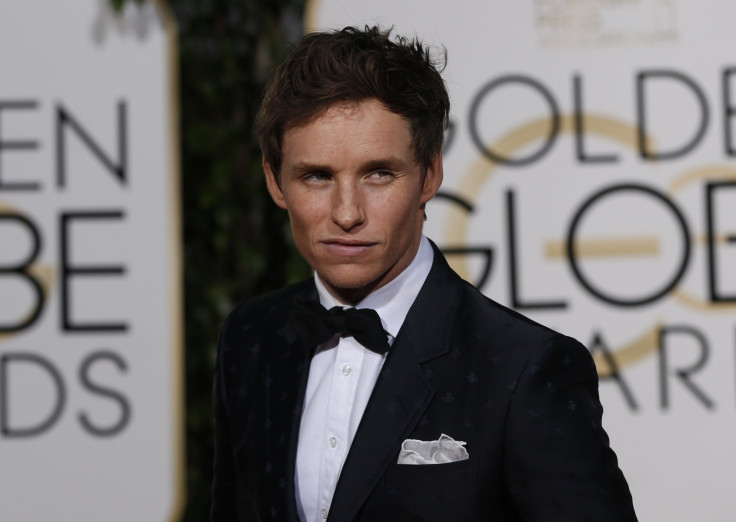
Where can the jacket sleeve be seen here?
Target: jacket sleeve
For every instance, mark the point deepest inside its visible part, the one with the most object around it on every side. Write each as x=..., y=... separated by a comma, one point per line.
x=224, y=499
x=559, y=465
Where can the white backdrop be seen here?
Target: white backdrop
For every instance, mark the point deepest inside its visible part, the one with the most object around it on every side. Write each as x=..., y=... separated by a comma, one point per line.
x=590, y=182
x=90, y=299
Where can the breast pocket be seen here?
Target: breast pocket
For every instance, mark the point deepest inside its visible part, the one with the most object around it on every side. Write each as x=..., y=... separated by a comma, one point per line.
x=450, y=476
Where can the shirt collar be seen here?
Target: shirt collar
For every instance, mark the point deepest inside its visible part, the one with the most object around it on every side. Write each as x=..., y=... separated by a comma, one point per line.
x=393, y=300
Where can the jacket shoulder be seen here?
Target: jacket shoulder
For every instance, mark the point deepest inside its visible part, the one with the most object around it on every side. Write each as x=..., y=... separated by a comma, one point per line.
x=501, y=314
x=473, y=310
x=520, y=334
x=265, y=312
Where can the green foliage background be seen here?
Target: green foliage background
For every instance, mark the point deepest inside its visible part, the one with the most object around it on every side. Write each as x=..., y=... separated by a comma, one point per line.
x=236, y=241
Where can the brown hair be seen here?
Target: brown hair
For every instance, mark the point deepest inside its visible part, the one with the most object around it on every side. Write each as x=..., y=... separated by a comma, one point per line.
x=351, y=65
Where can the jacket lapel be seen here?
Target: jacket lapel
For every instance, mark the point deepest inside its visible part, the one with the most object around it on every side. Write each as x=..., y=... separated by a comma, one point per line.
x=296, y=417
x=402, y=392
x=289, y=374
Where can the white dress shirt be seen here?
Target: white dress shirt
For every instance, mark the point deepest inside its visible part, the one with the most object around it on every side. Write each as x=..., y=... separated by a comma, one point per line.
x=342, y=375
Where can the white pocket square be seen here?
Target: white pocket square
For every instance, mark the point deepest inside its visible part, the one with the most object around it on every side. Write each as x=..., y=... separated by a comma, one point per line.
x=441, y=451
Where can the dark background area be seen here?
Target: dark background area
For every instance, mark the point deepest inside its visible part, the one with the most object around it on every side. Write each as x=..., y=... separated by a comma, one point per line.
x=236, y=241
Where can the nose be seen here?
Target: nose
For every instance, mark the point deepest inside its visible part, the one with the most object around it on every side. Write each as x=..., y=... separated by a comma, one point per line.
x=347, y=208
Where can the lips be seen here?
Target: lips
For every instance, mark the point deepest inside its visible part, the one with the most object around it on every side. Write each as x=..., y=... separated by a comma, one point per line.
x=348, y=247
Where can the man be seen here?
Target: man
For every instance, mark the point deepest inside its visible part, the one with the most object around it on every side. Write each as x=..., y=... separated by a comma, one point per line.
x=474, y=413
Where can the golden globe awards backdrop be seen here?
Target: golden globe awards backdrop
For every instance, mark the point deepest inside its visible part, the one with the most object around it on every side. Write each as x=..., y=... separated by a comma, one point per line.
x=90, y=391
x=590, y=182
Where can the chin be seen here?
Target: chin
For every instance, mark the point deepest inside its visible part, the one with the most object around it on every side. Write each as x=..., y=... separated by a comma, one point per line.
x=351, y=279
x=347, y=283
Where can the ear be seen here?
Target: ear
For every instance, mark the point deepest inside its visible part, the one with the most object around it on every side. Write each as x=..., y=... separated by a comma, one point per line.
x=433, y=179
x=273, y=186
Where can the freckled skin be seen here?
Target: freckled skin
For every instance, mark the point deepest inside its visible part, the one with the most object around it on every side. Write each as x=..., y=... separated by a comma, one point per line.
x=355, y=196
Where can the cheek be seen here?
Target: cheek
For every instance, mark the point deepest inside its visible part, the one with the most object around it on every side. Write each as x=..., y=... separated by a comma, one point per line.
x=304, y=223
x=405, y=211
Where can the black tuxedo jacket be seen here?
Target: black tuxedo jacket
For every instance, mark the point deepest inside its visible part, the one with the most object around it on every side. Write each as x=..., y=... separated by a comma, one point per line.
x=524, y=398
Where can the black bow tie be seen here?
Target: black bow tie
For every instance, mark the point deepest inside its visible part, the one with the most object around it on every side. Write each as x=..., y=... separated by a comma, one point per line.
x=314, y=324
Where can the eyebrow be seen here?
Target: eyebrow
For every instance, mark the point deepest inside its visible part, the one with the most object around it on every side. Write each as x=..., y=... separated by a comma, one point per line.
x=390, y=162
x=302, y=167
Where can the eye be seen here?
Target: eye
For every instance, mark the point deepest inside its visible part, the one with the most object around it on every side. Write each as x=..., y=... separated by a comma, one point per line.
x=316, y=176
x=382, y=175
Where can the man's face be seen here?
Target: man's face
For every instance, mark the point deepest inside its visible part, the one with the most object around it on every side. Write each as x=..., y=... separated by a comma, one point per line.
x=355, y=196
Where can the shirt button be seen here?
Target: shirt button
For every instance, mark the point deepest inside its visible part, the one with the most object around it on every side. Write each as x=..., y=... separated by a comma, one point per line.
x=332, y=441
x=323, y=513
x=346, y=369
